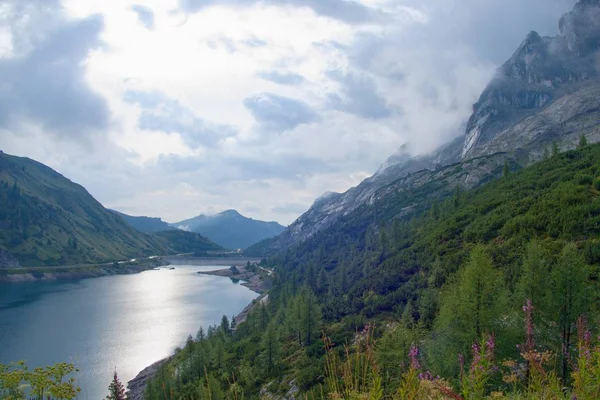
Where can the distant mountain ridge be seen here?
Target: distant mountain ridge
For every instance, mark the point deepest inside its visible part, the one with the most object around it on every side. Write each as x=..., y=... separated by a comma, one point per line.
x=230, y=229
x=547, y=92
x=45, y=219
x=145, y=224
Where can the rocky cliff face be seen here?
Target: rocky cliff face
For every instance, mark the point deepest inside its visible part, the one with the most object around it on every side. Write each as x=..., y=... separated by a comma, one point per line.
x=542, y=88
x=327, y=209
x=548, y=91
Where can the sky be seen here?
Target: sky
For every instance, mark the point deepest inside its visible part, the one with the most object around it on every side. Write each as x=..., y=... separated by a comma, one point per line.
x=173, y=108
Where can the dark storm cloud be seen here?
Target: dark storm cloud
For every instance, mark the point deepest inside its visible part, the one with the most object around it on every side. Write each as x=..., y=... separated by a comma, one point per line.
x=44, y=82
x=281, y=78
x=161, y=113
x=279, y=113
x=145, y=15
x=358, y=96
x=344, y=10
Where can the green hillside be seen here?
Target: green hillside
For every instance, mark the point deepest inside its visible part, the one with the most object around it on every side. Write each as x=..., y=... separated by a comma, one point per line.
x=458, y=272
x=46, y=219
x=145, y=224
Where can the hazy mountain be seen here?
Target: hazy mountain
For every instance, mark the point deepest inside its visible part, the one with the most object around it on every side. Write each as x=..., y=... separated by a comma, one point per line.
x=46, y=219
x=145, y=224
x=548, y=91
x=230, y=229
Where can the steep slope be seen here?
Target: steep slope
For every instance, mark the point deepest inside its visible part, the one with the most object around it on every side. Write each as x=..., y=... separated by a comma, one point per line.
x=331, y=207
x=556, y=200
x=46, y=219
x=443, y=281
x=145, y=224
x=548, y=91
x=230, y=229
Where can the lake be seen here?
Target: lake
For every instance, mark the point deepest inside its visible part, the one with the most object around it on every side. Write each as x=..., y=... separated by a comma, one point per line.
x=125, y=322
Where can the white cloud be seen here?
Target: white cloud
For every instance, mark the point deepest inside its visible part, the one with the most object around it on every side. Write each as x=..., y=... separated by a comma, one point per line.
x=266, y=104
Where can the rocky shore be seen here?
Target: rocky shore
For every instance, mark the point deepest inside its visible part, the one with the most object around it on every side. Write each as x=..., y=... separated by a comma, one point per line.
x=75, y=273
x=137, y=386
x=255, y=279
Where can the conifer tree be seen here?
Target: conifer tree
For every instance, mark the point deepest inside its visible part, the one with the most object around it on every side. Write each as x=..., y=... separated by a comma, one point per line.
x=555, y=149
x=225, y=327
x=569, y=298
x=582, y=142
x=116, y=390
x=471, y=306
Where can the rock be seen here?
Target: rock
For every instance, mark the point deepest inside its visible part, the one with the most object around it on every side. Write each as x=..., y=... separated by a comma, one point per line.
x=547, y=91
x=7, y=260
x=137, y=386
x=535, y=80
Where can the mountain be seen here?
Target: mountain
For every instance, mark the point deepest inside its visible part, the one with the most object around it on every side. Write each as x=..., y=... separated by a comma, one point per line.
x=230, y=229
x=547, y=93
x=444, y=281
x=46, y=219
x=145, y=224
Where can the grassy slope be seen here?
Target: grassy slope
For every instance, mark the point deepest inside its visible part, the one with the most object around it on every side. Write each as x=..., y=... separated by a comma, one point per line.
x=48, y=220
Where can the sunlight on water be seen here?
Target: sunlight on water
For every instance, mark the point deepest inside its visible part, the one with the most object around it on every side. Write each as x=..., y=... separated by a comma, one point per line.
x=124, y=322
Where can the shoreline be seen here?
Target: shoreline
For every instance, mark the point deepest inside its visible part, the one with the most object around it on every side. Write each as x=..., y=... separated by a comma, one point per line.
x=76, y=273
x=257, y=281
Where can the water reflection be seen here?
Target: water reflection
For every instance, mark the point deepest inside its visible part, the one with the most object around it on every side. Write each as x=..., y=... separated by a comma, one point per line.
x=127, y=322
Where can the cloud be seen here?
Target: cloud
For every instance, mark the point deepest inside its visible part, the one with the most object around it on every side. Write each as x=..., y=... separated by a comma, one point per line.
x=279, y=113
x=161, y=113
x=44, y=83
x=289, y=208
x=282, y=78
x=348, y=11
x=358, y=95
x=293, y=99
x=145, y=15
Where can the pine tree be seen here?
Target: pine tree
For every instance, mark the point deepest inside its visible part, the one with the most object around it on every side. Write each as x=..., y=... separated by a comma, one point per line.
x=582, y=142
x=225, y=327
x=534, y=278
x=200, y=336
x=555, y=149
x=456, y=198
x=472, y=306
x=270, y=346
x=506, y=170
x=569, y=297
x=116, y=390
x=435, y=210
x=546, y=153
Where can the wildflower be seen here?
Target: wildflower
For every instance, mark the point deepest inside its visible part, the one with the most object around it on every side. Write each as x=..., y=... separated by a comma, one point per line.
x=413, y=354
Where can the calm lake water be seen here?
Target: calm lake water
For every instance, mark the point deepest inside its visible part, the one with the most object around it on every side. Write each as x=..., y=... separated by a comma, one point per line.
x=127, y=321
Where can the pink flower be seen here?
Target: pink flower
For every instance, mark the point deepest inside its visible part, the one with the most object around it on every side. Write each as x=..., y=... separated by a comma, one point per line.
x=413, y=354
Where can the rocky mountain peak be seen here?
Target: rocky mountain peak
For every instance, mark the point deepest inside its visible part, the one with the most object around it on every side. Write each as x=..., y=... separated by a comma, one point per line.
x=581, y=28
x=541, y=71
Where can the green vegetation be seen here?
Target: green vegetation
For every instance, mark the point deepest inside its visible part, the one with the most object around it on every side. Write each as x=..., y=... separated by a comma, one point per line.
x=402, y=300
x=47, y=220
x=116, y=390
x=53, y=383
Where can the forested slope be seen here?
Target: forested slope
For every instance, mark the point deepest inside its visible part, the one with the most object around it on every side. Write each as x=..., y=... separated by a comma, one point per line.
x=45, y=219
x=457, y=274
